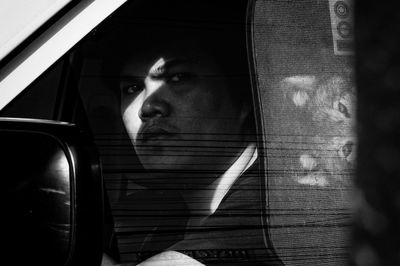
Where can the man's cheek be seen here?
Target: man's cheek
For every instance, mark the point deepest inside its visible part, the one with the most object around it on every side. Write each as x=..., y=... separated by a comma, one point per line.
x=131, y=119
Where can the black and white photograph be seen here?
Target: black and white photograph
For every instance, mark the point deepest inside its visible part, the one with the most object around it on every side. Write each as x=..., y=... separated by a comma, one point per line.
x=200, y=132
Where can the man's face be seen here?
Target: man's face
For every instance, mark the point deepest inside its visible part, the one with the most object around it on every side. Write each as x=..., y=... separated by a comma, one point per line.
x=177, y=109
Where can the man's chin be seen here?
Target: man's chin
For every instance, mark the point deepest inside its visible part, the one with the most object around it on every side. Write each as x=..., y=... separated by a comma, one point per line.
x=162, y=165
x=162, y=176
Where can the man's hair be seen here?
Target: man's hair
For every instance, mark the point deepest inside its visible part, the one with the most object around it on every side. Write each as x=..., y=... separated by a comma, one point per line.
x=220, y=26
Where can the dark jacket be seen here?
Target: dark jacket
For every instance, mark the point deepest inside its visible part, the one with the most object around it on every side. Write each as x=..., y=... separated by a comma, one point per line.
x=233, y=235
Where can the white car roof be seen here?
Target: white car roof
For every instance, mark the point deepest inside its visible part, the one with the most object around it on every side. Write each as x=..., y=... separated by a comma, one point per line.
x=20, y=18
x=49, y=46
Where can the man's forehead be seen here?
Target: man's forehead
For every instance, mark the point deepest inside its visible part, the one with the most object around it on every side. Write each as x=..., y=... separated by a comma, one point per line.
x=165, y=64
x=156, y=62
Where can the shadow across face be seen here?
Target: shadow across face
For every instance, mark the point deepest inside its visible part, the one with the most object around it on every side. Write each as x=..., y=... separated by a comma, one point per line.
x=180, y=114
x=184, y=92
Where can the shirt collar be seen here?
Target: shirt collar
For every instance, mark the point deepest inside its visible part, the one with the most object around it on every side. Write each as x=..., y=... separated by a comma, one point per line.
x=221, y=186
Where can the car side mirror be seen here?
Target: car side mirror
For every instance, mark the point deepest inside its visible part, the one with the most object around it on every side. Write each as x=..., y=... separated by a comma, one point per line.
x=53, y=204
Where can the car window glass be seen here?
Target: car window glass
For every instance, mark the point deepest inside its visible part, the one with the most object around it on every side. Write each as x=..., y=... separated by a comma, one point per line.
x=303, y=53
x=146, y=208
x=304, y=75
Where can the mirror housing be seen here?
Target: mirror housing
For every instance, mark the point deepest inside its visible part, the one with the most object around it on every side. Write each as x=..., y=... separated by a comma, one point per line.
x=53, y=207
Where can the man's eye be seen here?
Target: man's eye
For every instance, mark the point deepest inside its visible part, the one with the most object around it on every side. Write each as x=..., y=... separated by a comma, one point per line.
x=132, y=89
x=179, y=77
x=176, y=77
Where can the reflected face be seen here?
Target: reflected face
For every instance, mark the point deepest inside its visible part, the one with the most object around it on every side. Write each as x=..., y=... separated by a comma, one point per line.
x=177, y=109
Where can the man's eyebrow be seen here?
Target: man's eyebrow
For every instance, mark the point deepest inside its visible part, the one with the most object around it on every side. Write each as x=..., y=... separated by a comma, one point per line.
x=160, y=72
x=131, y=78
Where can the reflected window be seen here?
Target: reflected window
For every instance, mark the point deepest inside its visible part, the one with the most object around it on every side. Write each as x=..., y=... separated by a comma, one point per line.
x=304, y=62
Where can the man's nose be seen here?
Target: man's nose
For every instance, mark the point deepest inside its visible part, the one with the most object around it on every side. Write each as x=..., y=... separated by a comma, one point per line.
x=155, y=105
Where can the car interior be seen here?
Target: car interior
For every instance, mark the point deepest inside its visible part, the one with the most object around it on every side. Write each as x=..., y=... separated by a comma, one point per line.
x=306, y=70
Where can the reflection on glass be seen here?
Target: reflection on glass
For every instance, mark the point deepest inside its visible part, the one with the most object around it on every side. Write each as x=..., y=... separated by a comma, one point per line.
x=304, y=61
x=38, y=192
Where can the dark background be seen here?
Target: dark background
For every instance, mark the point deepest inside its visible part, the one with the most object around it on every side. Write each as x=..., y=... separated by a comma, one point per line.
x=376, y=232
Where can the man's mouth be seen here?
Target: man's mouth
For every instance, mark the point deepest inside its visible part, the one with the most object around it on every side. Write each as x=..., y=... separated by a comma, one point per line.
x=153, y=133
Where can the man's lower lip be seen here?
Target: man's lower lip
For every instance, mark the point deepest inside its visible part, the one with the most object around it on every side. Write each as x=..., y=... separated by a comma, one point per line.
x=157, y=137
